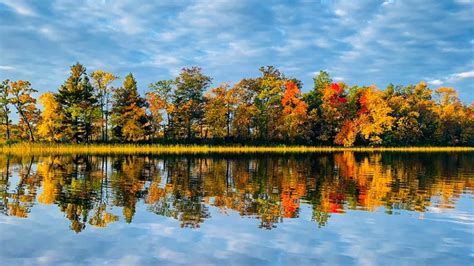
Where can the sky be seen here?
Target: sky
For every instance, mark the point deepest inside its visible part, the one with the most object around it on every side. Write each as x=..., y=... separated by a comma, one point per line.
x=358, y=42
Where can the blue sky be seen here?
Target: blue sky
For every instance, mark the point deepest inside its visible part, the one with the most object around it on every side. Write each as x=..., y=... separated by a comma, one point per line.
x=360, y=42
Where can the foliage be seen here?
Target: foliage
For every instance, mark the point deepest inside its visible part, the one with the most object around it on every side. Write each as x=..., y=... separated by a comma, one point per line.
x=102, y=80
x=129, y=117
x=268, y=109
x=25, y=105
x=188, y=101
x=79, y=105
x=50, y=126
x=294, y=114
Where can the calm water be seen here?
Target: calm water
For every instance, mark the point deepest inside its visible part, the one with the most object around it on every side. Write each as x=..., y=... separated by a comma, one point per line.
x=333, y=208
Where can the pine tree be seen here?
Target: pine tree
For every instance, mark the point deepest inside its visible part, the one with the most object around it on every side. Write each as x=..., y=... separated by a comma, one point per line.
x=129, y=119
x=78, y=105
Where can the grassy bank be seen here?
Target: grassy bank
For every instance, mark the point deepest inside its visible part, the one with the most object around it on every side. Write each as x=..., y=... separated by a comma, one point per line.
x=27, y=148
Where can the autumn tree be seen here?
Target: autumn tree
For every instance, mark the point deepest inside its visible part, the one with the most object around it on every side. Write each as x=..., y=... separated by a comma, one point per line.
x=5, y=107
x=451, y=115
x=270, y=87
x=414, y=120
x=245, y=122
x=50, y=126
x=78, y=105
x=102, y=80
x=332, y=111
x=314, y=97
x=189, y=102
x=467, y=134
x=129, y=117
x=220, y=107
x=160, y=102
x=374, y=119
x=314, y=100
x=294, y=113
x=25, y=104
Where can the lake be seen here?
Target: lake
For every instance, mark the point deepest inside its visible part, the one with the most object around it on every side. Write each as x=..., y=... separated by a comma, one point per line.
x=248, y=209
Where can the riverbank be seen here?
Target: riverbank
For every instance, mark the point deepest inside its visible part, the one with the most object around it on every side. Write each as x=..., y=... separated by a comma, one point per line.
x=28, y=148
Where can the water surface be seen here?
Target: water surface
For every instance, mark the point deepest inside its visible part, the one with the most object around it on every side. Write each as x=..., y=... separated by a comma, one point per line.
x=330, y=208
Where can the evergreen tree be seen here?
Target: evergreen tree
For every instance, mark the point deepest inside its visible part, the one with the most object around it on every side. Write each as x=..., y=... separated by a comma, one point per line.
x=129, y=119
x=78, y=105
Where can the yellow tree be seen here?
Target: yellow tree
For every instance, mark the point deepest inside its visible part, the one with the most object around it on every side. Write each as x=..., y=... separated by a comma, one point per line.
x=374, y=118
x=5, y=106
x=25, y=105
x=102, y=81
x=50, y=126
x=451, y=115
x=347, y=135
x=156, y=105
x=220, y=108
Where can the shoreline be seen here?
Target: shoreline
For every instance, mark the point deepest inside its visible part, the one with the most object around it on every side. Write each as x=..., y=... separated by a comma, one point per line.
x=25, y=148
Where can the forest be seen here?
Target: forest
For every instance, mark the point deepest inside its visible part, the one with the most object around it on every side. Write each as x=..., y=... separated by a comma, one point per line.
x=267, y=110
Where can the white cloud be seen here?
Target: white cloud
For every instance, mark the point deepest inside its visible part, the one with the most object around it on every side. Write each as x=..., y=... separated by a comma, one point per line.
x=6, y=68
x=340, y=12
x=165, y=60
x=49, y=33
x=464, y=2
x=452, y=78
x=435, y=82
x=362, y=41
x=463, y=75
x=20, y=7
x=322, y=43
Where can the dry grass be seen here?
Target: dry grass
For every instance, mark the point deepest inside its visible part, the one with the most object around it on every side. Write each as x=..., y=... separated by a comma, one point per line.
x=28, y=148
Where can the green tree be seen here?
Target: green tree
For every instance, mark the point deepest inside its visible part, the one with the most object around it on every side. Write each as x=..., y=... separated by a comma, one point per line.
x=270, y=87
x=467, y=135
x=189, y=102
x=314, y=100
x=78, y=104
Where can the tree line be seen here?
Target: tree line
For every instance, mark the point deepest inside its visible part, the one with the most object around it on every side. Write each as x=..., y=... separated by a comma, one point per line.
x=269, y=109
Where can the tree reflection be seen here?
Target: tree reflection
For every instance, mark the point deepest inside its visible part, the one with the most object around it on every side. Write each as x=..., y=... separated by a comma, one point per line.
x=95, y=189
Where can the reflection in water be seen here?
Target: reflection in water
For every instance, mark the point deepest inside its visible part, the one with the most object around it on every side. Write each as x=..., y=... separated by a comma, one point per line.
x=269, y=188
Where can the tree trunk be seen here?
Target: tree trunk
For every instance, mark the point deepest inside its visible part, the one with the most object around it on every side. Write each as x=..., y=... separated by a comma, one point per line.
x=228, y=122
x=30, y=130
x=107, y=118
x=102, y=127
x=8, y=125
